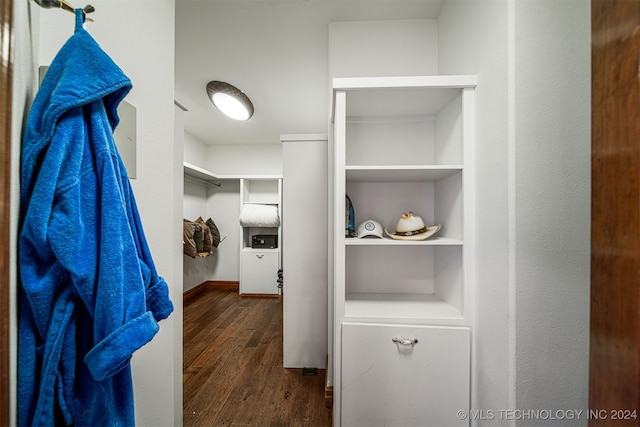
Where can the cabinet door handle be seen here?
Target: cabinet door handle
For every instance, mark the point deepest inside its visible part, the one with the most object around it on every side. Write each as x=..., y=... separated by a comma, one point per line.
x=260, y=256
x=404, y=341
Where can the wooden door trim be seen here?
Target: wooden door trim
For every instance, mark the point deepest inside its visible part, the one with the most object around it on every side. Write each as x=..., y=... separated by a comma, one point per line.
x=6, y=69
x=614, y=374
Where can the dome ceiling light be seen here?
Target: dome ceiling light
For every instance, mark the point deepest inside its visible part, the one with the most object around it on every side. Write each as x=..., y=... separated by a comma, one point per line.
x=230, y=100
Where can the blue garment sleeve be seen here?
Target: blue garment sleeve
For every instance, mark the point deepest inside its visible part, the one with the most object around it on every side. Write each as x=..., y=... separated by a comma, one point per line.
x=158, y=301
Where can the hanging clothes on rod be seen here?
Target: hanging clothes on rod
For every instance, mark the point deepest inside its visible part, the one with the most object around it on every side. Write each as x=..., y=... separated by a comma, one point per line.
x=89, y=293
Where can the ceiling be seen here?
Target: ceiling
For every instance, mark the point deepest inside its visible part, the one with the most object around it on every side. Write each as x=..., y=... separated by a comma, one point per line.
x=276, y=51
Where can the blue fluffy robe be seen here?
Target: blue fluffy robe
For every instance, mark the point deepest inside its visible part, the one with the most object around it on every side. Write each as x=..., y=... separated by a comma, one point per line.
x=90, y=293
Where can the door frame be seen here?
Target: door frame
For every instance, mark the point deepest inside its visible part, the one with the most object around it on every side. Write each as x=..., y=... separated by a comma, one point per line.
x=6, y=67
x=614, y=375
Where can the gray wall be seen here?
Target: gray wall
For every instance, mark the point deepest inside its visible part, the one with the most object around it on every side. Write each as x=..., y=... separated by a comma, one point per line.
x=24, y=87
x=552, y=147
x=533, y=185
x=473, y=39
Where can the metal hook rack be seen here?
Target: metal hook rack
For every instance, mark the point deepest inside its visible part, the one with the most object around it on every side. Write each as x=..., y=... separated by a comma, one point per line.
x=62, y=4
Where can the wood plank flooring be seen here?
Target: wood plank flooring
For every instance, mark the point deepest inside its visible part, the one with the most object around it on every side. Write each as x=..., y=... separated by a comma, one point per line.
x=233, y=374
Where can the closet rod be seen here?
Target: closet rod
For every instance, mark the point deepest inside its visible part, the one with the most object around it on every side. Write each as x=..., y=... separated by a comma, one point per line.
x=217, y=184
x=62, y=4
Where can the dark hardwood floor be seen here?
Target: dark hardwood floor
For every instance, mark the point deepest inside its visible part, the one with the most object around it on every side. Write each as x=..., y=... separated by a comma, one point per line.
x=233, y=374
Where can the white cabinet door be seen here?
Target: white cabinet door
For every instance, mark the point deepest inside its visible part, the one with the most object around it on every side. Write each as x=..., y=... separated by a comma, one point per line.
x=259, y=272
x=387, y=383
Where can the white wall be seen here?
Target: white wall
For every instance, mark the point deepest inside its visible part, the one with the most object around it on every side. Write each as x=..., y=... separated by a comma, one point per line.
x=222, y=203
x=383, y=48
x=195, y=152
x=304, y=246
x=142, y=46
x=176, y=287
x=196, y=270
x=473, y=41
x=245, y=159
x=532, y=61
x=24, y=87
x=552, y=212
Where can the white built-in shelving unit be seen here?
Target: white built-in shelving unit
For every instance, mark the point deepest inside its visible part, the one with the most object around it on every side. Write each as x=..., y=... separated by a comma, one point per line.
x=403, y=309
x=259, y=266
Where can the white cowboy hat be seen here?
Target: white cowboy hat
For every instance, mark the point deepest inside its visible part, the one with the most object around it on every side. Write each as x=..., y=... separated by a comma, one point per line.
x=411, y=227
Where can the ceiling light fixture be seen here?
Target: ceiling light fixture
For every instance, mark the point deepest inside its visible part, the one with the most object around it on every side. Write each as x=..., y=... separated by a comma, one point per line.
x=230, y=100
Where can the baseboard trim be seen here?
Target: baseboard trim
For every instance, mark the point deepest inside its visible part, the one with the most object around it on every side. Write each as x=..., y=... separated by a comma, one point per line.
x=223, y=283
x=328, y=396
x=198, y=289
x=328, y=389
x=261, y=295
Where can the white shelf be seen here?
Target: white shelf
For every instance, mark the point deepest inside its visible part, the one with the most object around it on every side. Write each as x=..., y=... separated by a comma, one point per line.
x=432, y=241
x=205, y=175
x=199, y=173
x=404, y=96
x=398, y=306
x=261, y=191
x=263, y=202
x=406, y=82
x=258, y=265
x=258, y=177
x=386, y=173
